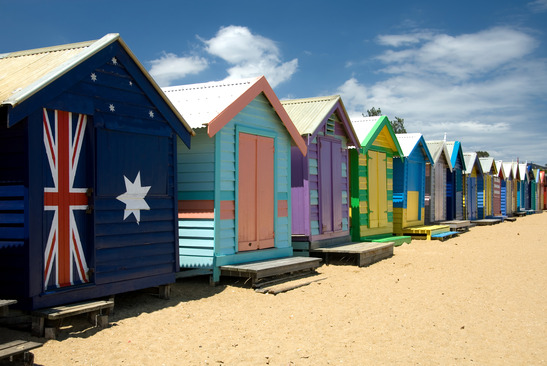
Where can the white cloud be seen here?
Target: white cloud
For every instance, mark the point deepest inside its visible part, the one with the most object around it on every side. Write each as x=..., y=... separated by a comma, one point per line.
x=355, y=97
x=538, y=6
x=171, y=67
x=460, y=57
x=250, y=54
x=485, y=89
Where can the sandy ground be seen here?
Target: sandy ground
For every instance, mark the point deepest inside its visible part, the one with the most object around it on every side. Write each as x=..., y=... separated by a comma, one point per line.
x=480, y=298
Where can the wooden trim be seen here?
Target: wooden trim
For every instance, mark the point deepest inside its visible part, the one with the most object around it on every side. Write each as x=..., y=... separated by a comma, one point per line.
x=260, y=86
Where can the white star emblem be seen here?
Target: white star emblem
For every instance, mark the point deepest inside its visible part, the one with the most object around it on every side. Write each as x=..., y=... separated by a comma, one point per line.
x=114, y=61
x=151, y=114
x=112, y=108
x=130, y=83
x=93, y=77
x=134, y=198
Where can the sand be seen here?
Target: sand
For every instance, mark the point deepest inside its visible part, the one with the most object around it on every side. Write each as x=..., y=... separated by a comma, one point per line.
x=480, y=298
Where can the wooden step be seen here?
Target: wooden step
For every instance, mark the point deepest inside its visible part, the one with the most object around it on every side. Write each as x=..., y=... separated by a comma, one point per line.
x=444, y=236
x=425, y=232
x=17, y=352
x=365, y=253
x=483, y=222
x=458, y=225
x=269, y=268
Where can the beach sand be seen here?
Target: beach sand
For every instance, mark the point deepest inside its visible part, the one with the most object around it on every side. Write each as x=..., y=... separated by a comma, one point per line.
x=480, y=298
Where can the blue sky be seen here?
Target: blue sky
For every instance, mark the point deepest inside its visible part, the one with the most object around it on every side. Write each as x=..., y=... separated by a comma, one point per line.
x=476, y=70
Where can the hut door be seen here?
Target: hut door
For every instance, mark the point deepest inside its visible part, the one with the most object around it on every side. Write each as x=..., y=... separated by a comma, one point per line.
x=377, y=176
x=330, y=185
x=440, y=189
x=255, y=192
x=68, y=178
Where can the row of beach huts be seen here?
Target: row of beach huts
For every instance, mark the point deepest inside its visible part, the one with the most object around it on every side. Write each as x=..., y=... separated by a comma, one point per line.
x=110, y=184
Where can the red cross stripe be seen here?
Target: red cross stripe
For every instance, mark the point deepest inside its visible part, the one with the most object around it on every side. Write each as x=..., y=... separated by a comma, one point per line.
x=64, y=257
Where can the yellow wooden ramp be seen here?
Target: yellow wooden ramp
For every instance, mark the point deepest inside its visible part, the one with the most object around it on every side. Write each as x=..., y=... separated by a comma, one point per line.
x=425, y=232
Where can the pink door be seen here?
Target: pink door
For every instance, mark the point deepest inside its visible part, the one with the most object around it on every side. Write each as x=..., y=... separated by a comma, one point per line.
x=255, y=192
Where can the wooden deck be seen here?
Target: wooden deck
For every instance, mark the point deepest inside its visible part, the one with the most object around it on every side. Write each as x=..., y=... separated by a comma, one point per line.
x=46, y=322
x=17, y=352
x=425, y=232
x=458, y=225
x=275, y=267
x=484, y=222
x=365, y=253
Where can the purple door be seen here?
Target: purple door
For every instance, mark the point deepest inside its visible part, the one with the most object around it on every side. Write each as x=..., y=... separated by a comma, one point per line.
x=330, y=184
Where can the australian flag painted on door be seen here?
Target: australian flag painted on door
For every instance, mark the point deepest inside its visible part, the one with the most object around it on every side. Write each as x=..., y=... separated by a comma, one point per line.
x=66, y=191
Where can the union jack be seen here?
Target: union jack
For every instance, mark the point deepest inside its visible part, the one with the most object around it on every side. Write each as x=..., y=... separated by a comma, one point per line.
x=64, y=256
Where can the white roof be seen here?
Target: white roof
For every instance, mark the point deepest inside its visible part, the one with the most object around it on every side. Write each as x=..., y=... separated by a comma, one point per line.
x=199, y=104
x=363, y=126
x=469, y=159
x=407, y=141
x=486, y=164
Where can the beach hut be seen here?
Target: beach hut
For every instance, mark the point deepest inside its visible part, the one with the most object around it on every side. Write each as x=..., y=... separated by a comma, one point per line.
x=87, y=174
x=320, y=180
x=516, y=187
x=371, y=181
x=491, y=189
x=409, y=182
x=502, y=176
x=473, y=182
x=235, y=183
x=454, y=182
x=435, y=186
x=543, y=190
x=524, y=188
x=509, y=178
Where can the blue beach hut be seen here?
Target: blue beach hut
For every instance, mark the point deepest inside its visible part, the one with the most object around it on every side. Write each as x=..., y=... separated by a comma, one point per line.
x=87, y=174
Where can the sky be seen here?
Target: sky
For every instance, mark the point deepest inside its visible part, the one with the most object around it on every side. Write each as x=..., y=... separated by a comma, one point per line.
x=475, y=70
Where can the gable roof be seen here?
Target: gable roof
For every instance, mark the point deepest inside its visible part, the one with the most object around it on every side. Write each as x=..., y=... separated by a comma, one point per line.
x=25, y=73
x=500, y=169
x=311, y=114
x=471, y=161
x=488, y=166
x=523, y=171
x=438, y=148
x=368, y=129
x=214, y=104
x=410, y=141
x=508, y=169
x=456, y=146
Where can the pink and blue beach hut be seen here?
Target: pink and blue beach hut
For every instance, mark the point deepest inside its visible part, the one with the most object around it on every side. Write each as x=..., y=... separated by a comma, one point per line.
x=234, y=184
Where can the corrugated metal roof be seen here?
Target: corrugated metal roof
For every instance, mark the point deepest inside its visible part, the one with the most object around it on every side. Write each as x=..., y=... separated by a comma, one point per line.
x=308, y=113
x=508, y=167
x=500, y=168
x=23, y=73
x=470, y=160
x=486, y=164
x=522, y=171
x=200, y=103
x=363, y=126
x=435, y=148
x=408, y=141
x=19, y=70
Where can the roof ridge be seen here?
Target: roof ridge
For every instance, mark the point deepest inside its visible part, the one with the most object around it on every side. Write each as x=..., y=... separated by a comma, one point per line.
x=57, y=48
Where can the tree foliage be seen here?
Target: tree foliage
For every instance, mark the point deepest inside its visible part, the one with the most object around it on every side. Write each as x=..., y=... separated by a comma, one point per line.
x=398, y=124
x=482, y=154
